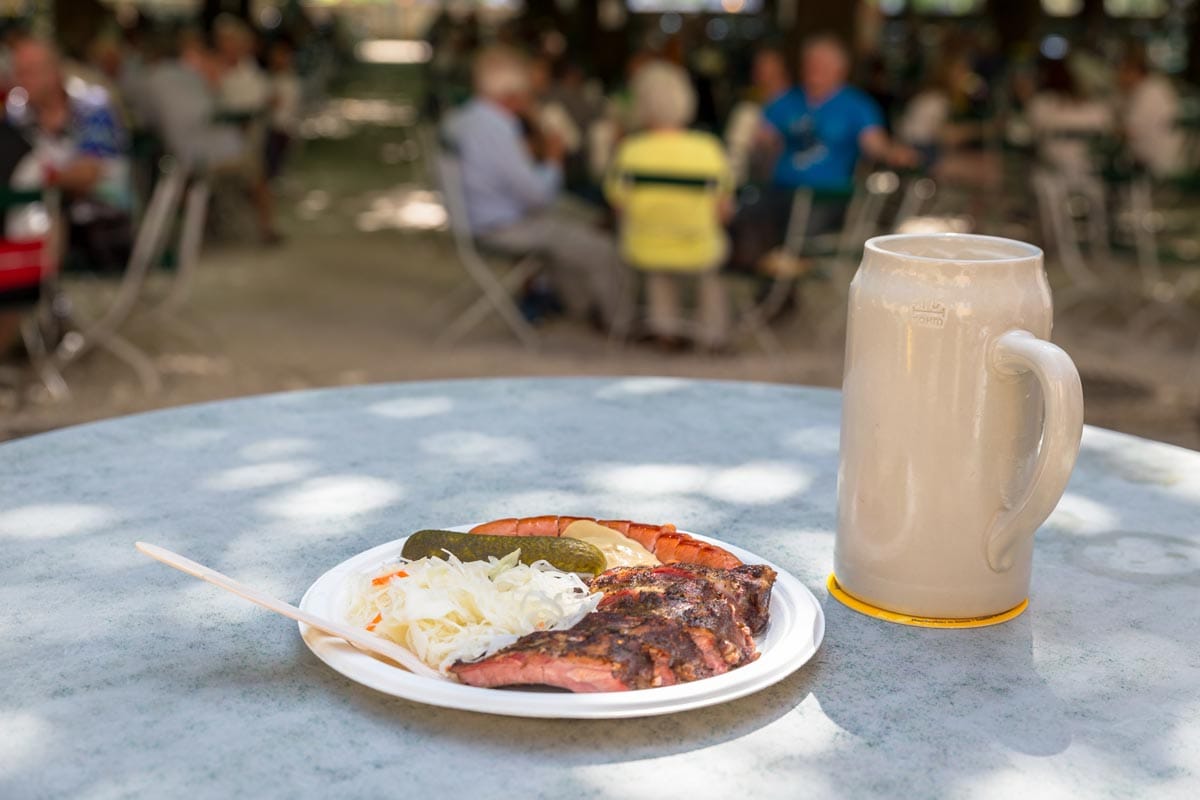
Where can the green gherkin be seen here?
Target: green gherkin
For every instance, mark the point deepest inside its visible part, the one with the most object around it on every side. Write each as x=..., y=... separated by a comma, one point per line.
x=569, y=555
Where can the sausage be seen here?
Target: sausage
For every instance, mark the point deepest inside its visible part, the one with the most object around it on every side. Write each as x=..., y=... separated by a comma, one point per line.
x=668, y=545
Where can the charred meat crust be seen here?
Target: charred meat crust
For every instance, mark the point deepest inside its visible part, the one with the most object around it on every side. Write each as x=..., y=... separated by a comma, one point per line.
x=613, y=651
x=747, y=588
x=695, y=605
x=655, y=626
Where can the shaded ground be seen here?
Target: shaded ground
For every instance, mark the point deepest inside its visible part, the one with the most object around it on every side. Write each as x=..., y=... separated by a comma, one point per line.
x=350, y=298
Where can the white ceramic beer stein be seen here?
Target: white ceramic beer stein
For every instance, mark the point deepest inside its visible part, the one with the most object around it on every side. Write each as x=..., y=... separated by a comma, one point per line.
x=960, y=426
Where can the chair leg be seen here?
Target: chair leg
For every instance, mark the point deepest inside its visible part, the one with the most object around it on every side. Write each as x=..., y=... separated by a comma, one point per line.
x=457, y=297
x=466, y=322
x=39, y=356
x=756, y=318
x=496, y=297
x=195, y=214
x=502, y=299
x=622, y=323
x=1141, y=205
x=136, y=358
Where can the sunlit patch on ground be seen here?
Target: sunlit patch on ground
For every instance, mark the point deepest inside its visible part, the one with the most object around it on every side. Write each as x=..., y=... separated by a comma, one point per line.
x=340, y=118
x=393, y=51
x=403, y=208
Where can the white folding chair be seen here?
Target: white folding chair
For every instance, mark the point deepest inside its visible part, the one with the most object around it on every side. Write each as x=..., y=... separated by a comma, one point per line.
x=840, y=251
x=149, y=243
x=494, y=286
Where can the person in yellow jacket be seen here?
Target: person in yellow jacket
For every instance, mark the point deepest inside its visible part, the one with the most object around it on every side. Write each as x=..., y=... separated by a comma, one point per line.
x=672, y=189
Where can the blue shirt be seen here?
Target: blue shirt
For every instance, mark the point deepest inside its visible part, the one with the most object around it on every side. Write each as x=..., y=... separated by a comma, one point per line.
x=820, y=142
x=92, y=131
x=502, y=184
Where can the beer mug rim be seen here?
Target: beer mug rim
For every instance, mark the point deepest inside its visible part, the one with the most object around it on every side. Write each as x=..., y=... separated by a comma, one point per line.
x=973, y=248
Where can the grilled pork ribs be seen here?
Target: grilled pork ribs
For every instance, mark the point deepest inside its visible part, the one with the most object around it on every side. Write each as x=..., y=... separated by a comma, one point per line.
x=655, y=626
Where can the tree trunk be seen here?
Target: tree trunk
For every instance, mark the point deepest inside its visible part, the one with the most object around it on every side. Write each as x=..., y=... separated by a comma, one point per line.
x=76, y=23
x=826, y=16
x=215, y=8
x=1193, y=37
x=1014, y=21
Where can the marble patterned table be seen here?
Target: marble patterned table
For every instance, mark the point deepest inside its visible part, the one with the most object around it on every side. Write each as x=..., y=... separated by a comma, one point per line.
x=122, y=678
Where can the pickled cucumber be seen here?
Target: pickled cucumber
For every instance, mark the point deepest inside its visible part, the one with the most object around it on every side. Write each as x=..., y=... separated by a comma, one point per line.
x=569, y=555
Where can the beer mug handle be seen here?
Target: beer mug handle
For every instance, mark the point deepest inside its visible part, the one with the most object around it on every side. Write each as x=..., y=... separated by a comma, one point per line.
x=1015, y=353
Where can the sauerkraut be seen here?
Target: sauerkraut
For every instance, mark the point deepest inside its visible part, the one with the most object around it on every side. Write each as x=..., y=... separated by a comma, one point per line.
x=447, y=610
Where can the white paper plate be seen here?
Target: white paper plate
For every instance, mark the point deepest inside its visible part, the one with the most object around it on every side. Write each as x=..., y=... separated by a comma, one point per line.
x=796, y=628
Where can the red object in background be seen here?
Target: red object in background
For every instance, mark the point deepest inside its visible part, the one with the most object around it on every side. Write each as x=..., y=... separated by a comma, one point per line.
x=22, y=264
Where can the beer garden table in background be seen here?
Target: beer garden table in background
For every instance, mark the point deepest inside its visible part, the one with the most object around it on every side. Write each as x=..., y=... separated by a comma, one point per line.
x=124, y=678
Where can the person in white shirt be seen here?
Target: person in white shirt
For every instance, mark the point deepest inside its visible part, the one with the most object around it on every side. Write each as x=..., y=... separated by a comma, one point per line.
x=244, y=88
x=1063, y=119
x=1065, y=125
x=285, y=106
x=243, y=94
x=1149, y=116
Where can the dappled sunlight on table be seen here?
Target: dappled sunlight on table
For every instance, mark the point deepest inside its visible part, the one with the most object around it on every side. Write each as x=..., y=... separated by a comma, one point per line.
x=412, y=407
x=332, y=497
x=474, y=447
x=53, y=520
x=751, y=483
x=27, y=738
x=258, y=475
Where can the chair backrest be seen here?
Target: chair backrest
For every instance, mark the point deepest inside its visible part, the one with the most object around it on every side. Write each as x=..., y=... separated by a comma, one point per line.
x=865, y=211
x=148, y=245
x=426, y=137
x=450, y=183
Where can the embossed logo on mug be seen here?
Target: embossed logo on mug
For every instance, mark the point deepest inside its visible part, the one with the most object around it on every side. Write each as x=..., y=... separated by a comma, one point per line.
x=929, y=314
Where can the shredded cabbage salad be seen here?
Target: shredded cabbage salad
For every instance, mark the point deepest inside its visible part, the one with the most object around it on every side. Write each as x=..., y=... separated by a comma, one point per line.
x=447, y=610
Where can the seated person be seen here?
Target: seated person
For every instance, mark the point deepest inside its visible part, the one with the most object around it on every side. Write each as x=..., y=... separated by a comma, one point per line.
x=1065, y=125
x=510, y=196
x=20, y=286
x=180, y=104
x=925, y=124
x=243, y=88
x=1062, y=120
x=819, y=129
x=181, y=108
x=1149, y=115
x=83, y=151
x=285, y=106
x=672, y=189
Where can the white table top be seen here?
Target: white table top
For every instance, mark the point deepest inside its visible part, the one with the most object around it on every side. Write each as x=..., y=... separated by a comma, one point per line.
x=124, y=678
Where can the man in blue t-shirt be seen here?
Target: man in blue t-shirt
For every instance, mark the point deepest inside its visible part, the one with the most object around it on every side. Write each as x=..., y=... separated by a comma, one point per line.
x=823, y=125
x=820, y=129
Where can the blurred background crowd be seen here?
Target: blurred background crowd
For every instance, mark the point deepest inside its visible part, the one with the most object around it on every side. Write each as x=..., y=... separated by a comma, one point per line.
x=207, y=198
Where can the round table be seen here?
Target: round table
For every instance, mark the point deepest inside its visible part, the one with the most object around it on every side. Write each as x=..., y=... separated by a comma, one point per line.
x=122, y=677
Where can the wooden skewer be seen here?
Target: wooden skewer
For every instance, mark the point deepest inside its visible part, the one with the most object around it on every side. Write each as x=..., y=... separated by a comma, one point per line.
x=358, y=638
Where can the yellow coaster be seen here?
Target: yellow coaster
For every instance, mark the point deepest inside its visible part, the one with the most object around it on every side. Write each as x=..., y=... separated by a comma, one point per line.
x=838, y=592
